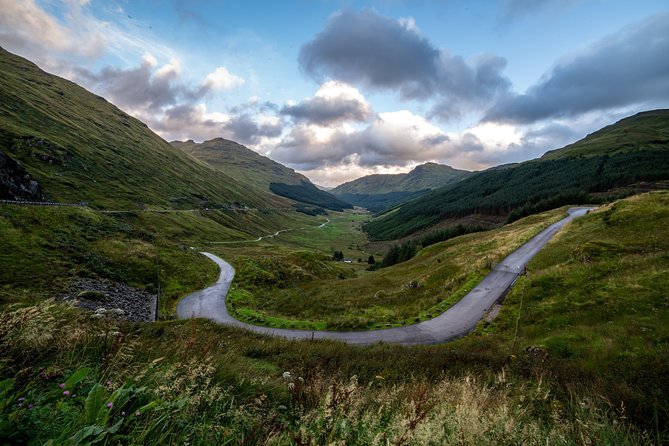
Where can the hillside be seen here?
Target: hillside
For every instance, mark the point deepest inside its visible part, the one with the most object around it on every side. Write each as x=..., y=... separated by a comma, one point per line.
x=643, y=131
x=245, y=165
x=75, y=146
x=378, y=192
x=240, y=162
x=579, y=173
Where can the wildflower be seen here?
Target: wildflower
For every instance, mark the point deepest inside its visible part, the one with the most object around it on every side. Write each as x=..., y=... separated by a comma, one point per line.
x=291, y=386
x=286, y=376
x=30, y=407
x=61, y=385
x=66, y=393
x=301, y=380
x=109, y=383
x=110, y=405
x=137, y=413
x=282, y=407
x=21, y=400
x=74, y=395
x=122, y=414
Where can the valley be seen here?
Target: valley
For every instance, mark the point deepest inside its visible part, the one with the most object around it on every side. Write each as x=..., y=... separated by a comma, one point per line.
x=320, y=340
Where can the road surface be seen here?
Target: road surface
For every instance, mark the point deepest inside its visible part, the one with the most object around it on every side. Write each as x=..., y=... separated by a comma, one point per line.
x=454, y=323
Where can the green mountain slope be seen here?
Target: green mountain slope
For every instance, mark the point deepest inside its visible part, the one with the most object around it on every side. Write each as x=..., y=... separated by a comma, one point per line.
x=425, y=176
x=643, y=131
x=378, y=192
x=79, y=147
x=581, y=172
x=240, y=162
x=247, y=166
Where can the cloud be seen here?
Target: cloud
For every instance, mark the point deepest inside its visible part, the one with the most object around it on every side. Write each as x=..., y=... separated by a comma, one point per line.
x=626, y=68
x=378, y=52
x=222, y=79
x=28, y=29
x=145, y=88
x=333, y=102
x=149, y=88
x=194, y=121
x=392, y=139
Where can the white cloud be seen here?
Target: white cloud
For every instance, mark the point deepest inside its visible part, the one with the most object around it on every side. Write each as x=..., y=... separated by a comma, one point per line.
x=496, y=135
x=27, y=28
x=222, y=79
x=170, y=70
x=150, y=60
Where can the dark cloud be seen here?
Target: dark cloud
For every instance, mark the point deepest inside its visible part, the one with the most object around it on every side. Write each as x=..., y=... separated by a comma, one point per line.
x=366, y=48
x=326, y=111
x=244, y=128
x=188, y=121
x=255, y=107
x=142, y=87
x=627, y=68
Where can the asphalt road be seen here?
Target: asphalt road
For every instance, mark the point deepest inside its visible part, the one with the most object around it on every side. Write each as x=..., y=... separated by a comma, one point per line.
x=454, y=323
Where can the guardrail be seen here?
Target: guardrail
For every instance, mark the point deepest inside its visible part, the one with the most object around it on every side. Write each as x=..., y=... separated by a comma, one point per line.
x=41, y=203
x=84, y=203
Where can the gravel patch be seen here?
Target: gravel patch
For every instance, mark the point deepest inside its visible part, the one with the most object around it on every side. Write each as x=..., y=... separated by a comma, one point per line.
x=112, y=299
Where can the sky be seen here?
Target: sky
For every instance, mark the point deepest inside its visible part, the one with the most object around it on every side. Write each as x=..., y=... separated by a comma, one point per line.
x=338, y=89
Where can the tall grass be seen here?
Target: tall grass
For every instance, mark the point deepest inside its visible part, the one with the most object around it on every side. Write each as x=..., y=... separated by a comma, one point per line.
x=69, y=379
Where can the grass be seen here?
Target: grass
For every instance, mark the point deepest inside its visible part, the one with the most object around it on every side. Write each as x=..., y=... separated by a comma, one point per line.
x=67, y=379
x=596, y=300
x=46, y=248
x=406, y=293
x=588, y=365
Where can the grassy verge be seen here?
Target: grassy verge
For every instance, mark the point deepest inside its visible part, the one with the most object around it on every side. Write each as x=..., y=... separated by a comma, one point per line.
x=595, y=301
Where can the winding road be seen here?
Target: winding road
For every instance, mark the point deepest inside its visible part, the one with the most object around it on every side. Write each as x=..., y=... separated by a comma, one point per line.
x=454, y=323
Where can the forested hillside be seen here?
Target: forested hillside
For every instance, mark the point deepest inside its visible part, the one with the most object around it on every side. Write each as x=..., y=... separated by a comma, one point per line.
x=583, y=173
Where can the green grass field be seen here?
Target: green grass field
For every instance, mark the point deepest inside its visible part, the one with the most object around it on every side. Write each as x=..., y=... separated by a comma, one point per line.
x=355, y=298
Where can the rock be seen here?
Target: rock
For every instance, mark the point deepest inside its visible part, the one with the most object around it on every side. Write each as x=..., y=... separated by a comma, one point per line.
x=15, y=183
x=113, y=300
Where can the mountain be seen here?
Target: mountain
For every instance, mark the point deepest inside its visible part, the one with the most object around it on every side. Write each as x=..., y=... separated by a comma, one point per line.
x=643, y=131
x=63, y=143
x=378, y=192
x=612, y=162
x=425, y=176
x=245, y=165
x=240, y=162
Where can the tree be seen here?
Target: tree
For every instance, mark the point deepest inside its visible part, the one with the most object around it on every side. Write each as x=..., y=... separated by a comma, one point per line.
x=371, y=260
x=338, y=256
x=391, y=256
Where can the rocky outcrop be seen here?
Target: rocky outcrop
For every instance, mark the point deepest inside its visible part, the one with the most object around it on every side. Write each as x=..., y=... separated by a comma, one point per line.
x=113, y=299
x=15, y=183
